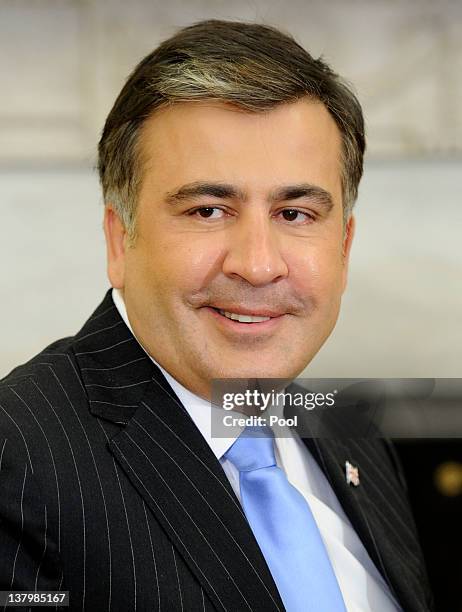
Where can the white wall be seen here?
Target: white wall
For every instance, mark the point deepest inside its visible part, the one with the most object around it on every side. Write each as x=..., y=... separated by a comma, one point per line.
x=401, y=314
x=62, y=62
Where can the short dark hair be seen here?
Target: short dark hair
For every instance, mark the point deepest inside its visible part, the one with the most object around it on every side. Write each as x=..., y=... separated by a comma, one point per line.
x=252, y=66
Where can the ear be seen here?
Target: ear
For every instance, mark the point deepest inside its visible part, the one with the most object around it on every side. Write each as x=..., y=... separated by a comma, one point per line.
x=116, y=235
x=347, y=241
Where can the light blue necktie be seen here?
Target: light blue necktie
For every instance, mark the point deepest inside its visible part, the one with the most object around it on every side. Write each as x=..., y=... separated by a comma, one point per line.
x=284, y=527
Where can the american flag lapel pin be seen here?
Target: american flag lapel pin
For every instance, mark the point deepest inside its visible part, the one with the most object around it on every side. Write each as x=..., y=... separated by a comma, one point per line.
x=352, y=474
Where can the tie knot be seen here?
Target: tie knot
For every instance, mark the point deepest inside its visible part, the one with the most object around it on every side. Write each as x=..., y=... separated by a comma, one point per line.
x=254, y=449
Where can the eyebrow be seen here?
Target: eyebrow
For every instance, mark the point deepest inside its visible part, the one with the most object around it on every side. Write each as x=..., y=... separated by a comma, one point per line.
x=227, y=191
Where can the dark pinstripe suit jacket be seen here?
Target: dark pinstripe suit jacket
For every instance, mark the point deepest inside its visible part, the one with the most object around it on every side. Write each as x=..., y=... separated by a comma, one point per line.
x=108, y=490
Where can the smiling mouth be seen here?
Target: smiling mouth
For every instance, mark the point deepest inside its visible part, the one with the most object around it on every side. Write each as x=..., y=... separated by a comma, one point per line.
x=259, y=317
x=241, y=318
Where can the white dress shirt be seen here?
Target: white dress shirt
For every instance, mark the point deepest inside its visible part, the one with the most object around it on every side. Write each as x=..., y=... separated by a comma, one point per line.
x=362, y=586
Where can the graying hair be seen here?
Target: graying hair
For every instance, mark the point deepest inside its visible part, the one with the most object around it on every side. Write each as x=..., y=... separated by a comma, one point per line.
x=253, y=67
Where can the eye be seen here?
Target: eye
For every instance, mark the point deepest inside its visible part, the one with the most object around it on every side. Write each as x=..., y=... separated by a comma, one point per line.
x=296, y=217
x=207, y=212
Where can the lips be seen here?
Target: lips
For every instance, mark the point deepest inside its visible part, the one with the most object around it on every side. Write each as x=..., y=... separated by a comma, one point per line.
x=265, y=312
x=243, y=318
x=241, y=327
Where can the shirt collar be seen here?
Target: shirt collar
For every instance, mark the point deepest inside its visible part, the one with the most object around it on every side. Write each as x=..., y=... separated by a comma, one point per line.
x=197, y=407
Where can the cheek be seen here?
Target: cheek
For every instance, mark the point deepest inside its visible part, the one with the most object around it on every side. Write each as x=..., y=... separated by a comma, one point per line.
x=188, y=263
x=203, y=264
x=317, y=272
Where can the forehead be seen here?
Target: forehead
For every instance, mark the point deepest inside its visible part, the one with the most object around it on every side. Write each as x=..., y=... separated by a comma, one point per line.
x=209, y=140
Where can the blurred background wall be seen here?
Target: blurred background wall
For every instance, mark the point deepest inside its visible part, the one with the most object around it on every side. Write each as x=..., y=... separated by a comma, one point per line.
x=62, y=62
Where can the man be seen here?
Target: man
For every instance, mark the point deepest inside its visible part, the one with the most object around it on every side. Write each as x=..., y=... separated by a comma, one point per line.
x=230, y=164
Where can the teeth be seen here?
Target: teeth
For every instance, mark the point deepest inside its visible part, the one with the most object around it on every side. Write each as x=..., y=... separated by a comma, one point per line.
x=243, y=318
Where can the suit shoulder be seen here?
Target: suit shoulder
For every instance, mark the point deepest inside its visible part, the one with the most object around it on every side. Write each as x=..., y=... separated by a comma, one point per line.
x=49, y=355
x=34, y=381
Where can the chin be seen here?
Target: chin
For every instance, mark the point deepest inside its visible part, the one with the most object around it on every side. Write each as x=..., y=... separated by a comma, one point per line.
x=272, y=370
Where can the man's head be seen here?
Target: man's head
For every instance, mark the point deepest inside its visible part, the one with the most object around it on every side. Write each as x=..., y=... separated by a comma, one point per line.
x=217, y=139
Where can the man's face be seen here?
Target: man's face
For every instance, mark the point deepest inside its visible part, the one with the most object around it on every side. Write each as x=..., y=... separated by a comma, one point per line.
x=238, y=213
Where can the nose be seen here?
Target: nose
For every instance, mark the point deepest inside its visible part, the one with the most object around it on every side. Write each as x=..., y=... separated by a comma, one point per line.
x=253, y=251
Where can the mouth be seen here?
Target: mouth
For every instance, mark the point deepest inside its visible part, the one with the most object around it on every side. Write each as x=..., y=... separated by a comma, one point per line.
x=242, y=318
x=246, y=322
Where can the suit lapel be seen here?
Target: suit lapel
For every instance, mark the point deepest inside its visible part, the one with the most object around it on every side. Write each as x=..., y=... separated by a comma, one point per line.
x=171, y=465
x=377, y=508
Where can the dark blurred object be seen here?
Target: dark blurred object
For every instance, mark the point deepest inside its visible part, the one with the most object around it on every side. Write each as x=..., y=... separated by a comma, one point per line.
x=433, y=470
